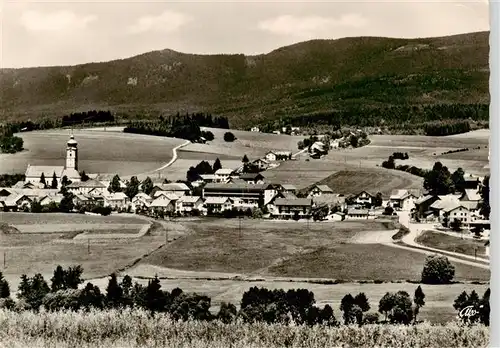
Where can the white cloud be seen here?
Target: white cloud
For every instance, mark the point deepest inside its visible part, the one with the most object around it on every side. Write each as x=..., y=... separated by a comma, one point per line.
x=55, y=21
x=310, y=25
x=167, y=21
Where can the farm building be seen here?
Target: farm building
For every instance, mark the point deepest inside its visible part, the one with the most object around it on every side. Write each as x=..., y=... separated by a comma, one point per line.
x=359, y=214
x=423, y=204
x=163, y=204
x=51, y=199
x=290, y=208
x=330, y=200
x=16, y=202
x=289, y=188
x=459, y=213
x=319, y=190
x=364, y=198
x=116, y=200
x=470, y=195
x=141, y=201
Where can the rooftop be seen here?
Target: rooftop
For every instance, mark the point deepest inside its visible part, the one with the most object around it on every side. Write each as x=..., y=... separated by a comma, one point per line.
x=48, y=171
x=293, y=202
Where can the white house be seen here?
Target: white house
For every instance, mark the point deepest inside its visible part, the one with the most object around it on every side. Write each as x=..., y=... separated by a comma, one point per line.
x=187, y=204
x=460, y=213
x=179, y=189
x=218, y=204
x=223, y=174
x=261, y=163
x=84, y=187
x=273, y=156
x=141, y=200
x=116, y=200
x=164, y=204
x=51, y=199
x=337, y=216
x=403, y=200
x=318, y=190
x=364, y=197
x=359, y=214
x=290, y=208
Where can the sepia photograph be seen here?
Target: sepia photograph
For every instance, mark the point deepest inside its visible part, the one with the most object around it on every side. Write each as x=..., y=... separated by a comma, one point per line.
x=246, y=174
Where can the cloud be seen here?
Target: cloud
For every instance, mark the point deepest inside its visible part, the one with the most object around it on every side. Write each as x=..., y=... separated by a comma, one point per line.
x=167, y=21
x=55, y=21
x=310, y=25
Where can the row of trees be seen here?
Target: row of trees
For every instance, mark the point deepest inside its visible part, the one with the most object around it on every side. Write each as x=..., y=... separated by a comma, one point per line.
x=447, y=128
x=256, y=305
x=92, y=116
x=9, y=180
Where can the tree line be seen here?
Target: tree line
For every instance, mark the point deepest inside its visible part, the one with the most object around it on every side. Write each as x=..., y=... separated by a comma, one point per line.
x=447, y=128
x=92, y=116
x=256, y=305
x=184, y=127
x=396, y=117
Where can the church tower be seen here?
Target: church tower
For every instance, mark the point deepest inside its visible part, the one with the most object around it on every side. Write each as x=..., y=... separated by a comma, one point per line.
x=72, y=154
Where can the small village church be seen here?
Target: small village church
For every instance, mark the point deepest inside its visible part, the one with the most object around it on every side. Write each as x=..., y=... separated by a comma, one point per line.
x=70, y=170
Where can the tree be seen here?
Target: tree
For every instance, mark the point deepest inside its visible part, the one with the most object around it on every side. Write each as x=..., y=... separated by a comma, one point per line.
x=147, y=186
x=346, y=306
x=155, y=298
x=57, y=281
x=65, y=181
x=419, y=300
x=378, y=200
x=42, y=180
x=54, y=181
x=438, y=180
x=354, y=141
x=33, y=290
x=437, y=270
x=114, y=185
x=132, y=188
x=63, y=279
x=227, y=312
x=458, y=180
x=217, y=165
x=36, y=207
x=484, y=309
x=362, y=301
x=386, y=304
x=477, y=230
x=229, y=137
x=66, y=204
x=485, y=195
x=114, y=292
x=245, y=159
x=4, y=287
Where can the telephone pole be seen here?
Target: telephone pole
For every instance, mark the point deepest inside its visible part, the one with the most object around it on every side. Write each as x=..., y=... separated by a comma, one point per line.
x=4, y=260
x=88, y=246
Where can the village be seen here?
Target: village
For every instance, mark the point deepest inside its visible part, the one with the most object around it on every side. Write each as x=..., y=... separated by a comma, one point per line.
x=234, y=192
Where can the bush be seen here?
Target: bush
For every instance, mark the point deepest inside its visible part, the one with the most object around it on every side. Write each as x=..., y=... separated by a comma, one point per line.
x=371, y=318
x=229, y=137
x=437, y=270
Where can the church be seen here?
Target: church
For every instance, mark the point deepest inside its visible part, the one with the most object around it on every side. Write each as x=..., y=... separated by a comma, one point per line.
x=70, y=170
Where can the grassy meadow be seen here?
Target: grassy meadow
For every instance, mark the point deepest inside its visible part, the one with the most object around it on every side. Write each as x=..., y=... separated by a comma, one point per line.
x=136, y=328
x=450, y=243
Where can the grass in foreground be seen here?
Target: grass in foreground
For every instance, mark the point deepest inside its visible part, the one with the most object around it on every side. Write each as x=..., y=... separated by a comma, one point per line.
x=449, y=243
x=135, y=328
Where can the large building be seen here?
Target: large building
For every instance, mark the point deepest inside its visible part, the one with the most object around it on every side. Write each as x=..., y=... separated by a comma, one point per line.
x=70, y=169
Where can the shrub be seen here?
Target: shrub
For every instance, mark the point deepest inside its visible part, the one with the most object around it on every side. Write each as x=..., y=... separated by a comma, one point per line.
x=437, y=270
x=229, y=137
x=371, y=318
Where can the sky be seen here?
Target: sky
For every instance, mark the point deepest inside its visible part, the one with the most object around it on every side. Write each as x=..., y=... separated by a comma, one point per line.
x=40, y=33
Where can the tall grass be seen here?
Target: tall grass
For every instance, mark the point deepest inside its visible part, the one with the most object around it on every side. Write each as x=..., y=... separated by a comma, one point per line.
x=136, y=328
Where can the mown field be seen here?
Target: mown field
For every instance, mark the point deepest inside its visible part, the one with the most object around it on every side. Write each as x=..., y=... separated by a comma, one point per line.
x=329, y=250
x=137, y=328
x=61, y=218
x=99, y=152
x=449, y=243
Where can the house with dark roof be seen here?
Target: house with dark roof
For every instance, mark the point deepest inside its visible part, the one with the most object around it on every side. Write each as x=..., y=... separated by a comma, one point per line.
x=318, y=190
x=363, y=198
x=261, y=163
x=289, y=188
x=284, y=208
x=423, y=204
x=252, y=178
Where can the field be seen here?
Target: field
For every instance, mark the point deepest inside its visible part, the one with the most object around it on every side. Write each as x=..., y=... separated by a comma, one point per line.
x=61, y=218
x=137, y=328
x=99, y=152
x=455, y=244
x=345, y=251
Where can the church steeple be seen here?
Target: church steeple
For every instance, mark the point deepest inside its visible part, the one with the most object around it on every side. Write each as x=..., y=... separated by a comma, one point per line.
x=72, y=154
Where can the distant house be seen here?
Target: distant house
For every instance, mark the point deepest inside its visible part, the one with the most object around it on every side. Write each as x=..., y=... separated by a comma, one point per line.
x=51, y=199
x=208, y=177
x=162, y=204
x=179, y=189
x=255, y=129
x=252, y=178
x=223, y=175
x=319, y=190
x=274, y=156
x=141, y=201
x=290, y=208
x=117, y=200
x=331, y=201
x=363, y=198
x=422, y=205
x=84, y=187
x=359, y=214
x=262, y=164
x=188, y=204
x=471, y=182
x=18, y=202
x=289, y=188
x=403, y=199
x=459, y=213
x=218, y=204
x=443, y=204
